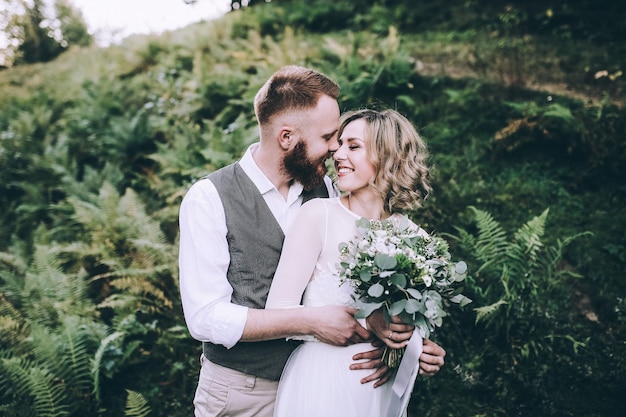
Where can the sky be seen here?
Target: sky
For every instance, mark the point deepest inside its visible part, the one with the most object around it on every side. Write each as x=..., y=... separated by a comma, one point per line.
x=112, y=20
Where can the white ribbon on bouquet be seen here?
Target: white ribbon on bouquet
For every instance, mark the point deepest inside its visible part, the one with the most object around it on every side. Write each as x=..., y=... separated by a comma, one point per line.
x=405, y=377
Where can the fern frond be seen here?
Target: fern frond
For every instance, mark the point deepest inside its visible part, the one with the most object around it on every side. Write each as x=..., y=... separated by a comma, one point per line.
x=13, y=378
x=47, y=392
x=491, y=243
x=45, y=277
x=12, y=261
x=119, y=302
x=136, y=405
x=79, y=344
x=97, y=361
x=12, y=409
x=11, y=319
x=50, y=399
x=527, y=241
x=484, y=312
x=66, y=352
x=153, y=295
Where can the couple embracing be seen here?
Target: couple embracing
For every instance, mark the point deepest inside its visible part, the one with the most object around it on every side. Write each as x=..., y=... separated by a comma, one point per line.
x=259, y=254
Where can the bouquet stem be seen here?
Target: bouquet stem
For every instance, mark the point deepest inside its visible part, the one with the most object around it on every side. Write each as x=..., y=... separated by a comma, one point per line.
x=392, y=357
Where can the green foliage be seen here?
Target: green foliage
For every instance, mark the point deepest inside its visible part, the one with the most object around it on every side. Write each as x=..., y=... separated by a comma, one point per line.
x=515, y=276
x=98, y=147
x=523, y=318
x=32, y=35
x=46, y=366
x=136, y=405
x=72, y=25
x=65, y=349
x=578, y=131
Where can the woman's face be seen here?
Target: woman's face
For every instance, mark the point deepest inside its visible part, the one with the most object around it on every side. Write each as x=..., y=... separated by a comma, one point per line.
x=352, y=165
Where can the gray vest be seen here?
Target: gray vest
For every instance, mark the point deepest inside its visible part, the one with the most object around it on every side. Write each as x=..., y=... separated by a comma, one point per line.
x=255, y=240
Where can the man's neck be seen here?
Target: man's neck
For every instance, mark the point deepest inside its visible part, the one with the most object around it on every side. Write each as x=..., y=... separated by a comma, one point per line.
x=269, y=163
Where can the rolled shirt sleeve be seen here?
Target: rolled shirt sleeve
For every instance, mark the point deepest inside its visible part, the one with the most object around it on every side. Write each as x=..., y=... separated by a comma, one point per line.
x=203, y=262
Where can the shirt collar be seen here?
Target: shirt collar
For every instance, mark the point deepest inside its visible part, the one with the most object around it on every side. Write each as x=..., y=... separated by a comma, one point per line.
x=252, y=170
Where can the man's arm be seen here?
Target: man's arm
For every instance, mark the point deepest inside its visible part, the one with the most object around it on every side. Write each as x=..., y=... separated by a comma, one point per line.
x=203, y=260
x=206, y=292
x=330, y=324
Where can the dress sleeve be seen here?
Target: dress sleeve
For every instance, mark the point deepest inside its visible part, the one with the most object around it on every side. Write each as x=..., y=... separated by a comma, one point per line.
x=301, y=250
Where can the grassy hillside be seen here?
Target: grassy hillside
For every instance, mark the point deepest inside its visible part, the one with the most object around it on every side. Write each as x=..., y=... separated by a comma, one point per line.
x=523, y=110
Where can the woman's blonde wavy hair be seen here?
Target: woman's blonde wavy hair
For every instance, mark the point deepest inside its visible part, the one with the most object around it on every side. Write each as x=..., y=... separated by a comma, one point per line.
x=399, y=156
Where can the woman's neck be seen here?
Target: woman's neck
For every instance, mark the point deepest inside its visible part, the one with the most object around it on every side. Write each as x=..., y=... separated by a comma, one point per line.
x=365, y=205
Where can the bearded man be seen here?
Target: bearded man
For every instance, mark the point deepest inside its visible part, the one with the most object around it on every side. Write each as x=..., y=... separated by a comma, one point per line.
x=232, y=226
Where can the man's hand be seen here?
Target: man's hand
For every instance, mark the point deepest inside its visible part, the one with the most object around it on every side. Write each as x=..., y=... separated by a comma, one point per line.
x=431, y=359
x=382, y=372
x=337, y=326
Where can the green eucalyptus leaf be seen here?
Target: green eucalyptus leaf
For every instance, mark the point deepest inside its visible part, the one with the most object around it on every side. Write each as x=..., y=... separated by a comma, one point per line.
x=365, y=275
x=421, y=326
x=399, y=280
x=365, y=309
x=363, y=223
x=407, y=318
x=376, y=290
x=415, y=293
x=403, y=223
x=385, y=261
x=433, y=295
x=460, y=267
x=412, y=306
x=463, y=300
x=397, y=307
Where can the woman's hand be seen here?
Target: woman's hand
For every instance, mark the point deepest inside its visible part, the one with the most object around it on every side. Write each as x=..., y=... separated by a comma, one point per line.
x=396, y=334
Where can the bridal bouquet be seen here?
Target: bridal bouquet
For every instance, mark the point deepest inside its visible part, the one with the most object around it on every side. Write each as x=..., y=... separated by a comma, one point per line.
x=405, y=272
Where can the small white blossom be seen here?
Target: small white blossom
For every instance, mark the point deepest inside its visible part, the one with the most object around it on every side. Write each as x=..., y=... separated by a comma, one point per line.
x=428, y=280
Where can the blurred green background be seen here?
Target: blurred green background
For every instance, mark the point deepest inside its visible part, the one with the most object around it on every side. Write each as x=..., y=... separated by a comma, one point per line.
x=521, y=103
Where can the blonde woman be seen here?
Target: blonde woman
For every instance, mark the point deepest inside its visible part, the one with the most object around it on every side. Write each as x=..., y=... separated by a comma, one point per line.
x=381, y=170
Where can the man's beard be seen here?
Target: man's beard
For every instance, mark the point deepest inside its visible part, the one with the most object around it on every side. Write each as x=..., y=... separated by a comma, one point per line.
x=301, y=168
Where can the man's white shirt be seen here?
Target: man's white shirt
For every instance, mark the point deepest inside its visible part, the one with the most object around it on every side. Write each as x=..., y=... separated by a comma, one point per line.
x=204, y=256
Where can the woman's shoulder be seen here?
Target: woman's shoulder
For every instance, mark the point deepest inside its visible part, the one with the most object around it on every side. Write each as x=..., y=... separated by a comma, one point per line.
x=318, y=203
x=318, y=209
x=313, y=208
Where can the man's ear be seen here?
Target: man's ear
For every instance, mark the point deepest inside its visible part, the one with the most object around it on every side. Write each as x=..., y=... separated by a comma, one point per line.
x=285, y=137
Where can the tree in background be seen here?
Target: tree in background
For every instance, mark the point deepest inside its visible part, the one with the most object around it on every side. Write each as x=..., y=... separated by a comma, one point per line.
x=234, y=4
x=71, y=24
x=36, y=32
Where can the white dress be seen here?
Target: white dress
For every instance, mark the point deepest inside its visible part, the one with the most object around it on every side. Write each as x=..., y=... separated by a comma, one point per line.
x=317, y=380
